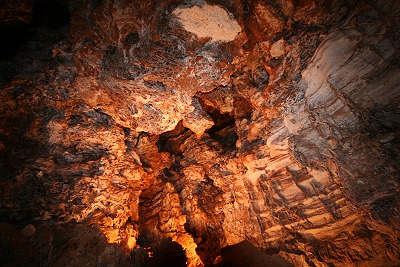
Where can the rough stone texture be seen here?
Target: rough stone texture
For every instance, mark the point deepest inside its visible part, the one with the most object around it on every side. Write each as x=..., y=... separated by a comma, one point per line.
x=208, y=21
x=123, y=135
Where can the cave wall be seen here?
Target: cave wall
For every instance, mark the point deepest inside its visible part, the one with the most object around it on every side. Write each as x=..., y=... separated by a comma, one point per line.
x=119, y=125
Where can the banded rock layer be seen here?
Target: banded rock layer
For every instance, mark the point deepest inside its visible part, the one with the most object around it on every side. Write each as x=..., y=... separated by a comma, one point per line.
x=120, y=126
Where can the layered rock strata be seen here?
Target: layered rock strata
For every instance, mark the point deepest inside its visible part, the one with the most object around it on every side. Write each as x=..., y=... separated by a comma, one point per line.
x=127, y=137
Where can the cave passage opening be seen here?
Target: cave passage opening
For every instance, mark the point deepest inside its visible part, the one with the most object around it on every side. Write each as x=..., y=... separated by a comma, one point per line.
x=166, y=253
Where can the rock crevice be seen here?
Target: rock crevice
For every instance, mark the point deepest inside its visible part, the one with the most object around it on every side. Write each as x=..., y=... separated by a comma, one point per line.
x=133, y=138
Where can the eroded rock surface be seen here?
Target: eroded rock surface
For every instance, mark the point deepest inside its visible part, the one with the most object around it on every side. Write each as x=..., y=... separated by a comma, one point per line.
x=128, y=136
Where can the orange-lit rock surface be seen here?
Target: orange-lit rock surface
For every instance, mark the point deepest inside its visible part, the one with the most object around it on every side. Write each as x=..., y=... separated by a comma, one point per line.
x=128, y=140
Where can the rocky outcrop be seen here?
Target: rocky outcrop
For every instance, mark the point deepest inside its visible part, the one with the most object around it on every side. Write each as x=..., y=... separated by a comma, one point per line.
x=130, y=138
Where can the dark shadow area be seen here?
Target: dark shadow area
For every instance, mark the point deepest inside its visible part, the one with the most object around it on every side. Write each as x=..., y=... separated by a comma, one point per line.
x=19, y=149
x=59, y=245
x=15, y=23
x=171, y=141
x=224, y=129
x=13, y=37
x=28, y=34
x=164, y=253
x=50, y=14
x=169, y=254
x=244, y=254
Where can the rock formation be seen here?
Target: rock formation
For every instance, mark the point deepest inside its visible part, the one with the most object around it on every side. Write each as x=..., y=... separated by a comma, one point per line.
x=200, y=133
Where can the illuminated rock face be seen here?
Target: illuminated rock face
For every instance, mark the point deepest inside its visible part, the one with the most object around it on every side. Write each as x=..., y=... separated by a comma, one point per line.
x=208, y=21
x=130, y=136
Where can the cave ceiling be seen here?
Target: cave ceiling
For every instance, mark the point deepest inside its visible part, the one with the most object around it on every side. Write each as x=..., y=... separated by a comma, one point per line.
x=199, y=133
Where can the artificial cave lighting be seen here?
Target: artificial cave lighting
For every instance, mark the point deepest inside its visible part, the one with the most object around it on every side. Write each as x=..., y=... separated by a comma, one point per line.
x=199, y=133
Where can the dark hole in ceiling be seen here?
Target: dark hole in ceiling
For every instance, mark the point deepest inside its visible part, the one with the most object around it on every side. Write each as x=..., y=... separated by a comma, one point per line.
x=224, y=130
x=131, y=38
x=171, y=141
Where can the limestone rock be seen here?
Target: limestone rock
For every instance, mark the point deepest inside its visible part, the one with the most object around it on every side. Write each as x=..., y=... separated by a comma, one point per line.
x=208, y=21
x=131, y=134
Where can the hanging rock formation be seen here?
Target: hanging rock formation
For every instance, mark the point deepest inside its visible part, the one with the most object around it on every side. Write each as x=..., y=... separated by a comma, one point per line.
x=200, y=133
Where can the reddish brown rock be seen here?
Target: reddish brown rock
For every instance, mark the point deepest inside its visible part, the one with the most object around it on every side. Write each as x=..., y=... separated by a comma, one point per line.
x=129, y=139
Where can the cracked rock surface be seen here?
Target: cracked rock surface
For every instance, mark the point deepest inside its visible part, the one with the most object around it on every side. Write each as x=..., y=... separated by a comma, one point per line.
x=128, y=138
